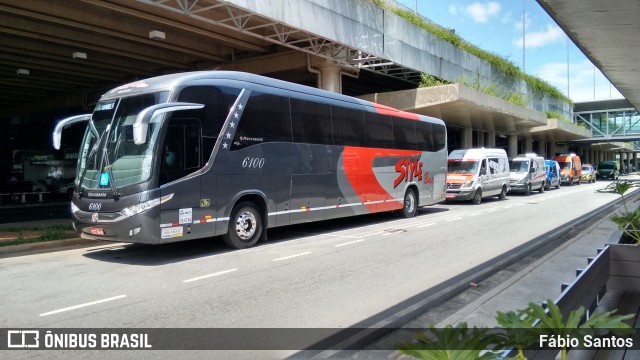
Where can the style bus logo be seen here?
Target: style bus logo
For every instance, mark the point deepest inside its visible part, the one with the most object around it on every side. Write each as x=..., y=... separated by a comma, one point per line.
x=409, y=169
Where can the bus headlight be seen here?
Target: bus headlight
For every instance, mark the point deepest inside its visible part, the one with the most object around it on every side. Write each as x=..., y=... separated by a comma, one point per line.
x=137, y=209
x=468, y=184
x=74, y=208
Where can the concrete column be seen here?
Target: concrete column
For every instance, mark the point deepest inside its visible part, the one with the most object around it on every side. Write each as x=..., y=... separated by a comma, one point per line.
x=542, y=149
x=330, y=77
x=552, y=148
x=512, y=145
x=528, y=144
x=623, y=160
x=480, y=139
x=467, y=138
x=635, y=161
x=490, y=139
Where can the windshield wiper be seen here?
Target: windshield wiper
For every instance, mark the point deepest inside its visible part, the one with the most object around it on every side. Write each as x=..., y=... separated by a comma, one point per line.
x=105, y=159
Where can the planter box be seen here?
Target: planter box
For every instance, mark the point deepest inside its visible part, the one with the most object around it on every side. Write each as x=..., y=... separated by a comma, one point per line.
x=610, y=281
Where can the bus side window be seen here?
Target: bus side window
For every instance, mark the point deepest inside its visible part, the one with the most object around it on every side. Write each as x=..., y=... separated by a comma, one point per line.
x=311, y=122
x=181, y=150
x=424, y=135
x=348, y=126
x=404, y=133
x=217, y=101
x=266, y=118
x=379, y=131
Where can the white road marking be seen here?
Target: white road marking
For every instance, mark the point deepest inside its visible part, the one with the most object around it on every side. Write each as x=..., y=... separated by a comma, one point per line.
x=292, y=256
x=349, y=243
x=455, y=218
x=210, y=275
x=83, y=305
x=425, y=225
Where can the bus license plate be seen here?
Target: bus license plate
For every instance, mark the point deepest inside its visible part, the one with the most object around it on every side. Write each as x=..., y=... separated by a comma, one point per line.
x=97, y=231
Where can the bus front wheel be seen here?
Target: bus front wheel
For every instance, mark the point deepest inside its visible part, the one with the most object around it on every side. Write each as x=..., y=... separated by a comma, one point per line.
x=410, y=204
x=245, y=226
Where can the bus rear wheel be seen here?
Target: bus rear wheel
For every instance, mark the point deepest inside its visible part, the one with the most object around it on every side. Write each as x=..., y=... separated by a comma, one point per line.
x=245, y=226
x=410, y=204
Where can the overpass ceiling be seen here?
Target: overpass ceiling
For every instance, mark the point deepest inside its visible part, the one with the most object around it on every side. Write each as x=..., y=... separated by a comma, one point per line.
x=41, y=36
x=607, y=32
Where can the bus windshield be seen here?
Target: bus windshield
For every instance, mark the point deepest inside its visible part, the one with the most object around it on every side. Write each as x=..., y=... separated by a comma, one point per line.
x=463, y=167
x=110, y=159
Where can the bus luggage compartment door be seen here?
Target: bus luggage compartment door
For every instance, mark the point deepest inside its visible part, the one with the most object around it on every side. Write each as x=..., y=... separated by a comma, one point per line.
x=307, y=198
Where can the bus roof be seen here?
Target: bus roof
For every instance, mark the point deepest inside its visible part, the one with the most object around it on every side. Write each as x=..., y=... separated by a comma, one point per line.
x=171, y=81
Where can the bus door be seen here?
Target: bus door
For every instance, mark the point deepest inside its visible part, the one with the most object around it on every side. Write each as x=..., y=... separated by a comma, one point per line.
x=181, y=156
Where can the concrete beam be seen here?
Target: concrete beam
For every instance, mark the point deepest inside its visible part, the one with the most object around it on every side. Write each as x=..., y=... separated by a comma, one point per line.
x=459, y=105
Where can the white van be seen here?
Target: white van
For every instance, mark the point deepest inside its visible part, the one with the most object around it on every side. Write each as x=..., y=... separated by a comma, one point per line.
x=527, y=172
x=477, y=173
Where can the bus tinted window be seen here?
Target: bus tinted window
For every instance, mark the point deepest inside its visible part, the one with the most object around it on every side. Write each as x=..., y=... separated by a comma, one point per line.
x=424, y=138
x=439, y=136
x=348, y=126
x=266, y=118
x=311, y=122
x=217, y=103
x=180, y=154
x=379, y=132
x=404, y=133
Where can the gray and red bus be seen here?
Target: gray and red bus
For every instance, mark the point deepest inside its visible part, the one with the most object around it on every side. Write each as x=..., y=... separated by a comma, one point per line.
x=201, y=154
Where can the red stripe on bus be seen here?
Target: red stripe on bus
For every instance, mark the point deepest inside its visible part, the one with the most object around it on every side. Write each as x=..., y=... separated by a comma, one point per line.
x=386, y=110
x=358, y=168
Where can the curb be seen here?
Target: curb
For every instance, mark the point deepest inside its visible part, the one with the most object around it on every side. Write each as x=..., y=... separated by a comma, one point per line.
x=48, y=246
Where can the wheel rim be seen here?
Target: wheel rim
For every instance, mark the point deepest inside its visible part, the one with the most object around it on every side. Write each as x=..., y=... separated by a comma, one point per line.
x=246, y=225
x=409, y=203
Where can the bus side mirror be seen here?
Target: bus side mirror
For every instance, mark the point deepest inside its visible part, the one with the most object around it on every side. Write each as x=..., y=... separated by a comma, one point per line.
x=62, y=124
x=141, y=124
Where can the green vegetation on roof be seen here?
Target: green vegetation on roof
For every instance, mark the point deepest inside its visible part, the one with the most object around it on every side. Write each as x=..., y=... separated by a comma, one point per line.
x=539, y=86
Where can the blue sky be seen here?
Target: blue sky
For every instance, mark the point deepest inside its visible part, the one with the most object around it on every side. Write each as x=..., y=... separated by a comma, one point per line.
x=497, y=26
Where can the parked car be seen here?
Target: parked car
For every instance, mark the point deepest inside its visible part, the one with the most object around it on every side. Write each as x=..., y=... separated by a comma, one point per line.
x=527, y=173
x=609, y=169
x=553, y=174
x=570, y=168
x=66, y=189
x=474, y=174
x=27, y=186
x=588, y=173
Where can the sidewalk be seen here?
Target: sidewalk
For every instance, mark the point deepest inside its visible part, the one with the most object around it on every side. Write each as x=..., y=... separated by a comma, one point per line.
x=539, y=281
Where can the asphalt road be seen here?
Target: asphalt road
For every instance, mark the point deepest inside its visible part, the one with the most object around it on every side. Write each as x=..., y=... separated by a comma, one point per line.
x=334, y=274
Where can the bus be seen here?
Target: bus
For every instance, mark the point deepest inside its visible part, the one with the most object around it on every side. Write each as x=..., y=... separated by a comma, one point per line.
x=207, y=153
